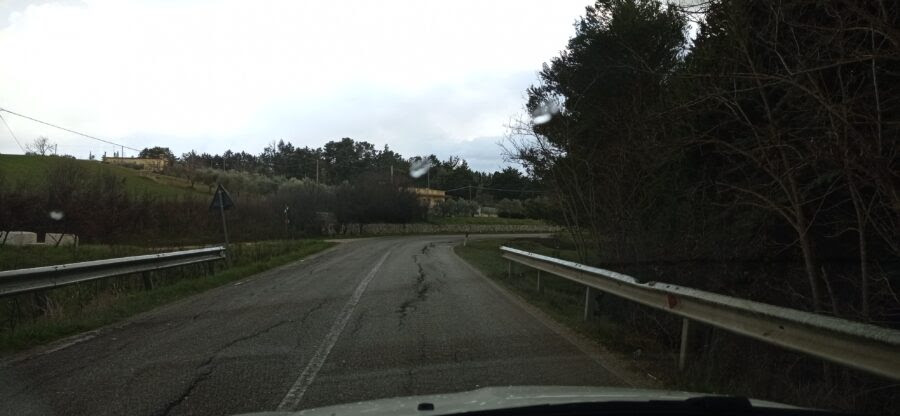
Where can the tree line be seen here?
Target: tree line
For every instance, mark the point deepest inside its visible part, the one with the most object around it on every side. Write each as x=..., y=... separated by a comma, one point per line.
x=349, y=161
x=100, y=207
x=278, y=194
x=770, y=135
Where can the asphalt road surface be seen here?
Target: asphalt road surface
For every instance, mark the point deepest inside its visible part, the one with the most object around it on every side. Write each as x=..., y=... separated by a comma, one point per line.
x=368, y=319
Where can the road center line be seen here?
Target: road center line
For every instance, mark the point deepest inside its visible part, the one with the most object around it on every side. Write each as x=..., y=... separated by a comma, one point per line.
x=296, y=392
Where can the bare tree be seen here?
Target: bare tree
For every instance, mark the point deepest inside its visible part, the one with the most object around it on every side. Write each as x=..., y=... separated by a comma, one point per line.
x=40, y=146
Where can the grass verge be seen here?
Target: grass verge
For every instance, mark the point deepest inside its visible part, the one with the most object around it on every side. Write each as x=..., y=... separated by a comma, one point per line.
x=91, y=305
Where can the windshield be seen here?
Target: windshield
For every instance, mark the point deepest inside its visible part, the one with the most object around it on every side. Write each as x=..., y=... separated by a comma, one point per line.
x=232, y=207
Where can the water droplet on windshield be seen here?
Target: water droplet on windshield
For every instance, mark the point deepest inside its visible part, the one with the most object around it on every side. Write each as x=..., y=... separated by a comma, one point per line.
x=544, y=112
x=541, y=119
x=419, y=167
x=56, y=215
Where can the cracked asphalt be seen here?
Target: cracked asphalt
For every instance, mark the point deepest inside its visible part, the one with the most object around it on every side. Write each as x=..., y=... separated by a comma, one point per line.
x=426, y=323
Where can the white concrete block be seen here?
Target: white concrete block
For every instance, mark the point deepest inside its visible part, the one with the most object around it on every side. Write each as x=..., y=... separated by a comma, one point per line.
x=18, y=238
x=51, y=239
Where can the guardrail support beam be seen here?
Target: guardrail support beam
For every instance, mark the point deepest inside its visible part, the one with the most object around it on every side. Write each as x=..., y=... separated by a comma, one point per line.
x=42, y=302
x=39, y=279
x=590, y=302
x=685, y=337
x=148, y=280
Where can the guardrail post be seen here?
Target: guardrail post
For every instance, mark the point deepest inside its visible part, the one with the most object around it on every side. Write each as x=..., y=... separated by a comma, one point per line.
x=539, y=288
x=685, y=336
x=148, y=280
x=509, y=269
x=42, y=301
x=210, y=268
x=590, y=303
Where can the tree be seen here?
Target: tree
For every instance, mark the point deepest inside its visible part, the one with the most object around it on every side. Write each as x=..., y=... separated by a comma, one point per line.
x=40, y=146
x=158, y=153
x=603, y=152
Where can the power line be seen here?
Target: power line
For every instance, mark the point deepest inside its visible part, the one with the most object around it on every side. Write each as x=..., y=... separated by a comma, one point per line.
x=70, y=130
x=12, y=134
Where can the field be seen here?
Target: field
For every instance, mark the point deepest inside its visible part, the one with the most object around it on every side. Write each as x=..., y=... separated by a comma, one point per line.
x=33, y=169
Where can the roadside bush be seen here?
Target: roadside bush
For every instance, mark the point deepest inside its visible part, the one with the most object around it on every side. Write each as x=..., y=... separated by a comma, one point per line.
x=510, y=208
x=455, y=208
x=372, y=200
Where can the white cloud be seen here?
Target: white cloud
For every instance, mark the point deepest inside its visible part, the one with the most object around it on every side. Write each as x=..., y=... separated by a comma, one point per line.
x=211, y=75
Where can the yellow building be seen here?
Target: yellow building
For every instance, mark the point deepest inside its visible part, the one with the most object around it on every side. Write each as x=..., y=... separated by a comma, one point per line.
x=155, y=165
x=429, y=197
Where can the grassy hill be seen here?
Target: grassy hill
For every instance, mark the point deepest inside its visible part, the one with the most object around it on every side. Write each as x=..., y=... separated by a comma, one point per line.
x=33, y=170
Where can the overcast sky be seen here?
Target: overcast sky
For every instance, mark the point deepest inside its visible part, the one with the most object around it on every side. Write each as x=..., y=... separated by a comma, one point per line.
x=420, y=76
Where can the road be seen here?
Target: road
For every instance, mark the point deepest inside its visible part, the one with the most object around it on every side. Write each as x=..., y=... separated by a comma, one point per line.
x=368, y=319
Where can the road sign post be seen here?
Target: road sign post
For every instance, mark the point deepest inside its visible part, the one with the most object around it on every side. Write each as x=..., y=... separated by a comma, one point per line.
x=222, y=201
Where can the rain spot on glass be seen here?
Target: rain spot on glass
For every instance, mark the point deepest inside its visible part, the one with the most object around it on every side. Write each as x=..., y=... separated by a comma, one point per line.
x=56, y=215
x=419, y=167
x=544, y=112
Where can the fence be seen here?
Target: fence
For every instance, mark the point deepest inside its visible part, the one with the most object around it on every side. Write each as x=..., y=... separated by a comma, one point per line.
x=13, y=282
x=865, y=347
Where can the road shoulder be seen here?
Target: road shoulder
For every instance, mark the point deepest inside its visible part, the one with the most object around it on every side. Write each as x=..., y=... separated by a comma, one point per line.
x=613, y=362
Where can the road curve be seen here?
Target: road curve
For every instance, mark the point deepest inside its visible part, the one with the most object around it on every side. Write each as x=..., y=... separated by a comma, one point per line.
x=370, y=318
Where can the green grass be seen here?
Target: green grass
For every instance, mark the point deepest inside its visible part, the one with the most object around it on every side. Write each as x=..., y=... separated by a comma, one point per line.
x=484, y=221
x=33, y=171
x=91, y=305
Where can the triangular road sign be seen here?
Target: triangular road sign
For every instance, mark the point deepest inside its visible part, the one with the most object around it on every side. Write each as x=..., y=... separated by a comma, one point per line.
x=221, y=199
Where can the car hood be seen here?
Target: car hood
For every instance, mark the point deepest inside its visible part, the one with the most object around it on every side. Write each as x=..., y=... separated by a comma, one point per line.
x=491, y=398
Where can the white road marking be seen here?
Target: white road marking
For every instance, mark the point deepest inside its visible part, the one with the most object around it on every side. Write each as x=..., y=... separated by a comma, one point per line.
x=296, y=392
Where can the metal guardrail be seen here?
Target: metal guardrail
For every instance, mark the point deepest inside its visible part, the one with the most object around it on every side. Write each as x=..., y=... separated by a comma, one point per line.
x=14, y=282
x=862, y=346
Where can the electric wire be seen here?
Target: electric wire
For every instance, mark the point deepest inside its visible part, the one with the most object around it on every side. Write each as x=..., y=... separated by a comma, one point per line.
x=11, y=133
x=68, y=130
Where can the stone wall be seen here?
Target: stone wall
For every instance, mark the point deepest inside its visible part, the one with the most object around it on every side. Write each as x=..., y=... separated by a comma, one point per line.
x=422, y=228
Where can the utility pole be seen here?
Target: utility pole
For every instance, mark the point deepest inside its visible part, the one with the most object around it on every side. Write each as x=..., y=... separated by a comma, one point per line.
x=317, y=171
x=392, y=174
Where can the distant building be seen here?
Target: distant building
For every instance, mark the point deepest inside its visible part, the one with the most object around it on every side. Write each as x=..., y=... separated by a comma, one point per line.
x=155, y=165
x=429, y=197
